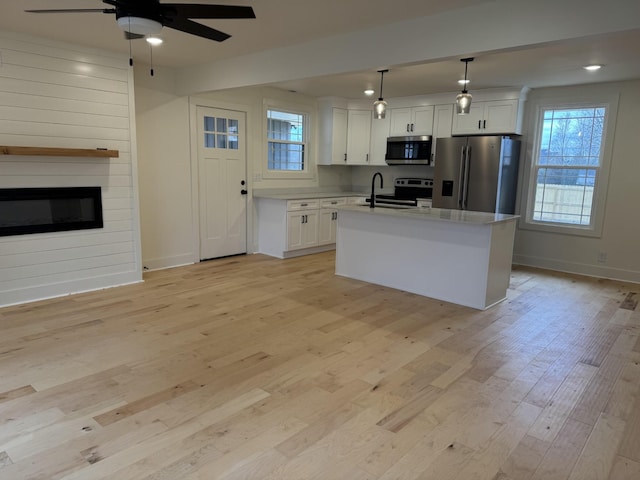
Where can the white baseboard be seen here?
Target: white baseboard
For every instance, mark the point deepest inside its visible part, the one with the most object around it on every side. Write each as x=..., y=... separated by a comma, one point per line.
x=43, y=292
x=167, y=262
x=599, y=271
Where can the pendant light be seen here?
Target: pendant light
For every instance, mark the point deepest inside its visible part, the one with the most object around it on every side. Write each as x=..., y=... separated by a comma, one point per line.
x=380, y=106
x=463, y=100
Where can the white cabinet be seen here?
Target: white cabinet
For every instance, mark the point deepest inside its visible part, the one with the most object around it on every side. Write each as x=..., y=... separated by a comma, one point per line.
x=302, y=229
x=302, y=224
x=378, y=145
x=332, y=149
x=495, y=117
x=339, y=138
x=442, y=123
x=358, y=137
x=344, y=136
x=290, y=228
x=411, y=121
x=329, y=220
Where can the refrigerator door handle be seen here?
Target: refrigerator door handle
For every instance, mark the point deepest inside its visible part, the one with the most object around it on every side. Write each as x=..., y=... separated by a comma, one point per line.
x=461, y=178
x=466, y=177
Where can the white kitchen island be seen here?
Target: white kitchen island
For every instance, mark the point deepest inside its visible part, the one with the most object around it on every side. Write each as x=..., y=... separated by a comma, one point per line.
x=458, y=256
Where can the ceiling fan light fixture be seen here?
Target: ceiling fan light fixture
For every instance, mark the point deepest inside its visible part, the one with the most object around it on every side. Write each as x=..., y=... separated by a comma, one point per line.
x=154, y=40
x=463, y=100
x=380, y=106
x=139, y=25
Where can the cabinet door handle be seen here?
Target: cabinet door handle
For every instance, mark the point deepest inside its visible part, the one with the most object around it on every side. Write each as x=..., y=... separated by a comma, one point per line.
x=334, y=203
x=345, y=157
x=408, y=128
x=412, y=127
x=484, y=124
x=479, y=123
x=304, y=204
x=367, y=159
x=301, y=218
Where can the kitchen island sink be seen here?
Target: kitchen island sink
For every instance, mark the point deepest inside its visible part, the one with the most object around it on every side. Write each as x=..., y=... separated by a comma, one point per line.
x=459, y=256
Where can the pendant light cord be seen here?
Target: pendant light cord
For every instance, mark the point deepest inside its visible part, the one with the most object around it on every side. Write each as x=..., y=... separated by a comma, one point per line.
x=382, y=72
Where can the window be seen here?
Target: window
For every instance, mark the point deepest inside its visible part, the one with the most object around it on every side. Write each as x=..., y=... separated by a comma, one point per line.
x=220, y=133
x=568, y=174
x=286, y=141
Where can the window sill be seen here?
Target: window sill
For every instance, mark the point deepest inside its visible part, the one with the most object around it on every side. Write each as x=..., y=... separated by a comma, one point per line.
x=559, y=229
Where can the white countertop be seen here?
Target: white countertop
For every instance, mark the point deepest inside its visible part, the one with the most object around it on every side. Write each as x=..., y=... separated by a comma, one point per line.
x=433, y=214
x=305, y=195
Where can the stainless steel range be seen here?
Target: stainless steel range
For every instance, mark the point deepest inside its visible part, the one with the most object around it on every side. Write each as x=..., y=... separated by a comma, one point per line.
x=408, y=192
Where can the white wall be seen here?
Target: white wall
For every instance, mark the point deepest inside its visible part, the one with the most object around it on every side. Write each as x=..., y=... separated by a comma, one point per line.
x=169, y=226
x=59, y=95
x=162, y=123
x=621, y=233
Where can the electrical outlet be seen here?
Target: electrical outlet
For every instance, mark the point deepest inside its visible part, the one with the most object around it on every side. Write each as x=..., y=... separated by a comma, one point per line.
x=602, y=257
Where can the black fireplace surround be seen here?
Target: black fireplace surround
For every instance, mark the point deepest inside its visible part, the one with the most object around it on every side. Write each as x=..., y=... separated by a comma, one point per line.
x=39, y=210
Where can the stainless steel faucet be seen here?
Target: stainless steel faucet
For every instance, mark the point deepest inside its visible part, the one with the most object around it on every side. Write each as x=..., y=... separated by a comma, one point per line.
x=372, y=200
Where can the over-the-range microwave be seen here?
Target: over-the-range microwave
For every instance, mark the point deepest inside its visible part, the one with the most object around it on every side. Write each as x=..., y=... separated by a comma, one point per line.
x=413, y=150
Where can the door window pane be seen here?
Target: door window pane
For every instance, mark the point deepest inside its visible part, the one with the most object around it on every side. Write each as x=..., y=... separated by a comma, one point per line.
x=221, y=133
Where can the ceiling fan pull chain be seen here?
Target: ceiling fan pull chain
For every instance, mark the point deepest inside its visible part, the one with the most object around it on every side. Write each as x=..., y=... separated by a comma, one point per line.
x=130, y=55
x=151, y=58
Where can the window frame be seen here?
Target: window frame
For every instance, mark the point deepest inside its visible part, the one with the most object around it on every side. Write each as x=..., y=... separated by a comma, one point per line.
x=610, y=103
x=307, y=171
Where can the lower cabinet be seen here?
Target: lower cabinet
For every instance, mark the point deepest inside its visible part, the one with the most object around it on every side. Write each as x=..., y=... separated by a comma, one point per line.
x=297, y=227
x=328, y=220
x=302, y=229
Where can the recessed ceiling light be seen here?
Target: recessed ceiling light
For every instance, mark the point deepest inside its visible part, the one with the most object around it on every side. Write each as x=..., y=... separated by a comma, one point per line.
x=463, y=82
x=369, y=92
x=154, y=40
x=592, y=68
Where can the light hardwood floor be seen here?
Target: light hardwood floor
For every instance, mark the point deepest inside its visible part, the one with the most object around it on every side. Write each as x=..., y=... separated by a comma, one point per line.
x=257, y=368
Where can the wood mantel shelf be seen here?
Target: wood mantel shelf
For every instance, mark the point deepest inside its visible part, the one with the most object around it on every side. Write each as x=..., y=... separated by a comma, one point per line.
x=59, y=152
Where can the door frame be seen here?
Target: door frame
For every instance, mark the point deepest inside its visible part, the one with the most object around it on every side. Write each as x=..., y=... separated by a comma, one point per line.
x=195, y=102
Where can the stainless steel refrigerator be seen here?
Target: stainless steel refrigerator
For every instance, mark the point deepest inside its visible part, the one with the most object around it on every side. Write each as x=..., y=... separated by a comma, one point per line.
x=476, y=173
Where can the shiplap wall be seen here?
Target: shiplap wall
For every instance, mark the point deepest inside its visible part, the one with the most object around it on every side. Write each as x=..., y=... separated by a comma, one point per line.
x=61, y=95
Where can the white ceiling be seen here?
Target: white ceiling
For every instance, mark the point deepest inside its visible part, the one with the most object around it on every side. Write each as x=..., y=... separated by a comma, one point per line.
x=281, y=23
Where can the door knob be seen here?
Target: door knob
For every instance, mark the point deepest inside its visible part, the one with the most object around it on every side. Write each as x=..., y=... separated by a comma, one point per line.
x=243, y=192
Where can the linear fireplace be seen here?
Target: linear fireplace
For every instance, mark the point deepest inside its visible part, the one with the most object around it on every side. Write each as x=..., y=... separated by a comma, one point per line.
x=38, y=210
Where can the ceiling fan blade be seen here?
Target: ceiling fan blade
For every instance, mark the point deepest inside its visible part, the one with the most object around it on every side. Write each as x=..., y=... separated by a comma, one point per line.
x=194, y=10
x=195, y=28
x=132, y=36
x=75, y=10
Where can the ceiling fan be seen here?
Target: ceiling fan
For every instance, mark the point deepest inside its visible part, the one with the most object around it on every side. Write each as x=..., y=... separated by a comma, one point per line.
x=138, y=18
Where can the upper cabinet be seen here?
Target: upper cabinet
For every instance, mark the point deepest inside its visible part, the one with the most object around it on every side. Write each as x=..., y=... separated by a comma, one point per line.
x=492, y=117
x=358, y=136
x=345, y=136
x=339, y=138
x=442, y=123
x=411, y=121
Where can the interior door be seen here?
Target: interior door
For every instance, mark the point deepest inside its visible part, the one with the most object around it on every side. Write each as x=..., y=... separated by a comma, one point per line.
x=222, y=167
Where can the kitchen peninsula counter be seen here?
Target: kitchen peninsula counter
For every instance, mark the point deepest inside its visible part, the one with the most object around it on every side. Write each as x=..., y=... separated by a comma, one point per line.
x=462, y=257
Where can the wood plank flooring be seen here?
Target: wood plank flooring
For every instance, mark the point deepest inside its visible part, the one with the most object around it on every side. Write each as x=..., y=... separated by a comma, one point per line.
x=256, y=368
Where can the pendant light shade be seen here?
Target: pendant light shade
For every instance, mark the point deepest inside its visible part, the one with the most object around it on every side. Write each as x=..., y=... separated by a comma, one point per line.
x=463, y=100
x=380, y=106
